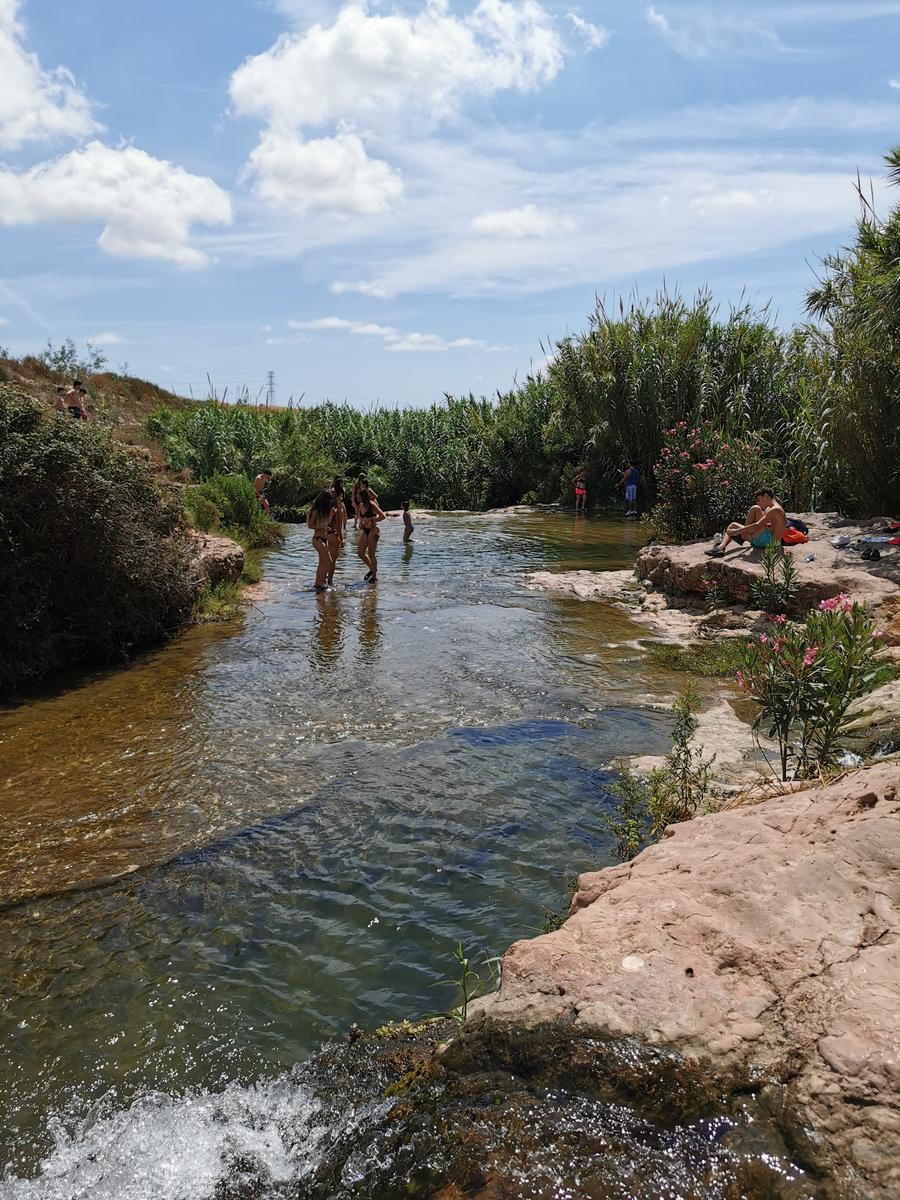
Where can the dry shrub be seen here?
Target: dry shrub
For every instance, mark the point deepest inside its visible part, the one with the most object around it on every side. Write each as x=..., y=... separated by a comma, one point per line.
x=94, y=558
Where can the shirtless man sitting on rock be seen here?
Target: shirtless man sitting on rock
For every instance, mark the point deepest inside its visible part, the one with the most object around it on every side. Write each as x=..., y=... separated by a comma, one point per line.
x=766, y=523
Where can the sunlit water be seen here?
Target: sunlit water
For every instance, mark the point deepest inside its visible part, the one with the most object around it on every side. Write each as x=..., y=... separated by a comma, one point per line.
x=312, y=806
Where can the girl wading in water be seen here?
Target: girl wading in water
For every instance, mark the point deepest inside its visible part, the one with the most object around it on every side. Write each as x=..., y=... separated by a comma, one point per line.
x=580, y=482
x=369, y=516
x=319, y=521
x=336, y=524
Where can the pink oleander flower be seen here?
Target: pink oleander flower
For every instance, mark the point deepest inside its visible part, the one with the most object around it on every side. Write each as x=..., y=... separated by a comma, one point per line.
x=841, y=603
x=878, y=633
x=781, y=619
x=742, y=682
x=726, y=482
x=764, y=638
x=811, y=655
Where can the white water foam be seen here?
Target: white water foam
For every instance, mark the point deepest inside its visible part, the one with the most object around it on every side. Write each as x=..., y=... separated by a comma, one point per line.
x=165, y=1148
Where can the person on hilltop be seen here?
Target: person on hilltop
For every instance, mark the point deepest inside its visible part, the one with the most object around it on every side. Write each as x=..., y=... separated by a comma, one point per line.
x=580, y=482
x=407, y=522
x=369, y=516
x=75, y=401
x=319, y=519
x=630, y=482
x=261, y=486
x=766, y=523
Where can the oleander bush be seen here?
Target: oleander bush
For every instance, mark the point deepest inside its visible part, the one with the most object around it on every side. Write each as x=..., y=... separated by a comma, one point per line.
x=94, y=553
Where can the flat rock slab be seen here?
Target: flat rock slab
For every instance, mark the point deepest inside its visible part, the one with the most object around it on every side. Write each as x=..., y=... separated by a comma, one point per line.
x=681, y=569
x=764, y=938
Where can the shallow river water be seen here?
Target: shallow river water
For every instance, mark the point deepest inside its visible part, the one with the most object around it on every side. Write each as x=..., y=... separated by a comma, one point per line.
x=216, y=859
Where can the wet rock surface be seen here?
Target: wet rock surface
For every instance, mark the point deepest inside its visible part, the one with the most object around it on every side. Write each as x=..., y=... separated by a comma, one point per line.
x=762, y=945
x=531, y=1116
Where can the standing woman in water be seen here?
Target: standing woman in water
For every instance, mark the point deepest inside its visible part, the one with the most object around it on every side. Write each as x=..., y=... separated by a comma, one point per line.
x=369, y=516
x=319, y=521
x=336, y=524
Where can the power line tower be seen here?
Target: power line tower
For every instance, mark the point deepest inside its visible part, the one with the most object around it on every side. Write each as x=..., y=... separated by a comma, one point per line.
x=270, y=390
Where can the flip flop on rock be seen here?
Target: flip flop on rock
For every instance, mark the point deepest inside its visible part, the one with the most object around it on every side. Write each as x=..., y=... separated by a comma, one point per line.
x=716, y=552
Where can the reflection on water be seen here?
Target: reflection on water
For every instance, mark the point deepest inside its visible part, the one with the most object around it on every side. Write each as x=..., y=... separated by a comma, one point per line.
x=321, y=800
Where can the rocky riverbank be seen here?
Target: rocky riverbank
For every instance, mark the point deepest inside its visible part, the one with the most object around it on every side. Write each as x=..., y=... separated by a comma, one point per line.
x=760, y=945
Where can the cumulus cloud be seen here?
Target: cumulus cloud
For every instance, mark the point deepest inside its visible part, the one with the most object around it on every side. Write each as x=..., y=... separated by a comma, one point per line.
x=595, y=36
x=364, y=287
x=107, y=338
x=395, y=341
x=147, y=206
x=334, y=174
x=35, y=104
x=529, y=221
x=369, y=71
x=366, y=65
x=895, y=83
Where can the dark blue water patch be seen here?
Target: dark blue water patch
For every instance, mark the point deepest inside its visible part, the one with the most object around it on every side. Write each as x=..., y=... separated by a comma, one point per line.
x=516, y=731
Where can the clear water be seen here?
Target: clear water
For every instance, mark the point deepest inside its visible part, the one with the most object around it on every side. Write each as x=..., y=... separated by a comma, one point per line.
x=310, y=807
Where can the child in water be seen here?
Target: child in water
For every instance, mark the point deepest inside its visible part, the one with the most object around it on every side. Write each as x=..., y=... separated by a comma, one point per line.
x=407, y=522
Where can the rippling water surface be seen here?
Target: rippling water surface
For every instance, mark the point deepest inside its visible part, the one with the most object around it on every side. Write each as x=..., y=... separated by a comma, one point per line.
x=216, y=858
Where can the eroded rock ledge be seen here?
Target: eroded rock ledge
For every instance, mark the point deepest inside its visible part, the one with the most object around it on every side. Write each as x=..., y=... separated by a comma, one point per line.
x=762, y=943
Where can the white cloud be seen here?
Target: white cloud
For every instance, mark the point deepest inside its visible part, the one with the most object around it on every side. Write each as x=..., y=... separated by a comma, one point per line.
x=146, y=205
x=333, y=174
x=632, y=214
x=363, y=287
x=528, y=221
x=373, y=70
x=595, y=36
x=366, y=65
x=35, y=104
x=395, y=341
x=894, y=83
x=107, y=338
x=707, y=33
x=788, y=114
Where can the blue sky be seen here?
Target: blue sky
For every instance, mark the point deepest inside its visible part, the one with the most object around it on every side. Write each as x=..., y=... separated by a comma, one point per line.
x=386, y=202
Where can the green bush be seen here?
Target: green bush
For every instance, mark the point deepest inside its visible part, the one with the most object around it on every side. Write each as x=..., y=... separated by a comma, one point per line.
x=804, y=678
x=229, y=503
x=94, y=555
x=705, y=479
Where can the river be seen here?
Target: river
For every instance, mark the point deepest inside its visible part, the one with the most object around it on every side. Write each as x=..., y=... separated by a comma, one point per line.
x=218, y=858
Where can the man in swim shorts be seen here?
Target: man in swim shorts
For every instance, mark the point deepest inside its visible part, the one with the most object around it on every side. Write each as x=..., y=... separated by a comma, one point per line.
x=260, y=485
x=766, y=523
x=630, y=482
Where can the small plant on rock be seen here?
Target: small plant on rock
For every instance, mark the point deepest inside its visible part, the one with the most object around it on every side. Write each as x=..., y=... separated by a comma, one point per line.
x=775, y=591
x=804, y=679
x=714, y=590
x=672, y=793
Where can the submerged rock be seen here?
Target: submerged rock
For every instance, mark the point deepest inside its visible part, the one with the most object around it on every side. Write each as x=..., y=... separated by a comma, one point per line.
x=761, y=946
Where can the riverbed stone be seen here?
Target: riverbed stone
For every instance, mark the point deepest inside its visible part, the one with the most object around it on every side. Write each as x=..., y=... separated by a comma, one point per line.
x=769, y=944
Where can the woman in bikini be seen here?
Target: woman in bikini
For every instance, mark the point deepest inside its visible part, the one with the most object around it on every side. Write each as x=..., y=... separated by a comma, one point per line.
x=369, y=516
x=580, y=482
x=319, y=521
x=336, y=524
